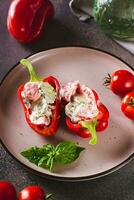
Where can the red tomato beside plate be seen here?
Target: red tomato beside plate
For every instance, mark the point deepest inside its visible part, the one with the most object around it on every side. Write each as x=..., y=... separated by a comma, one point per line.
x=7, y=191
x=127, y=106
x=32, y=193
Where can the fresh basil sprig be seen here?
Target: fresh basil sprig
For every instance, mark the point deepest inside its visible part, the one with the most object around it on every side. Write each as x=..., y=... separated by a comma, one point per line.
x=48, y=155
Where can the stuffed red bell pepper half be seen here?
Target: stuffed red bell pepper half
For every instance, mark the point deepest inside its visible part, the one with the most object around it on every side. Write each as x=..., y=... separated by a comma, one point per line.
x=40, y=101
x=85, y=114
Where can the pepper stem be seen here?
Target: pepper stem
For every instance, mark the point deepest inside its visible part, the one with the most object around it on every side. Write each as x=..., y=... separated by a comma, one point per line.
x=32, y=72
x=91, y=126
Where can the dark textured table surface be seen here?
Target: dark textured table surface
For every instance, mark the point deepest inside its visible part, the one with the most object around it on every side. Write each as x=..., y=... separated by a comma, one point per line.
x=63, y=30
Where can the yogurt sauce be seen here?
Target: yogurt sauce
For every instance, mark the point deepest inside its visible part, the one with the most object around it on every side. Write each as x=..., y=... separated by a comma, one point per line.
x=81, y=102
x=39, y=97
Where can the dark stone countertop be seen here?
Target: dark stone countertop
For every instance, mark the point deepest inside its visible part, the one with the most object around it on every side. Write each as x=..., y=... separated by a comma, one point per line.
x=64, y=30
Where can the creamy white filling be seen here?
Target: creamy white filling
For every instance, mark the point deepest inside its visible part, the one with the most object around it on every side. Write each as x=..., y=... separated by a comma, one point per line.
x=68, y=90
x=42, y=108
x=83, y=106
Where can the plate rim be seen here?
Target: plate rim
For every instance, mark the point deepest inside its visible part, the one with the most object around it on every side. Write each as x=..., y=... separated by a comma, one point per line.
x=54, y=177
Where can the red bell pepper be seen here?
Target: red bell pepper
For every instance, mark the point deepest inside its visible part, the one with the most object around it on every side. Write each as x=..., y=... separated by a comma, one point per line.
x=88, y=128
x=41, y=128
x=26, y=18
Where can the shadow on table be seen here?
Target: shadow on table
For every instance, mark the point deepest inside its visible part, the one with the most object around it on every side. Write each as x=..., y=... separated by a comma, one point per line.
x=54, y=35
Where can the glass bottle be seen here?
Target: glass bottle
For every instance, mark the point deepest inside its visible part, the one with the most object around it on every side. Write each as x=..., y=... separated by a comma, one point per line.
x=115, y=17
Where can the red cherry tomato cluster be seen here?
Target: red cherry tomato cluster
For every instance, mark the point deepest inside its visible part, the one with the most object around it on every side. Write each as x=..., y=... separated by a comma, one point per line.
x=26, y=18
x=121, y=83
x=8, y=192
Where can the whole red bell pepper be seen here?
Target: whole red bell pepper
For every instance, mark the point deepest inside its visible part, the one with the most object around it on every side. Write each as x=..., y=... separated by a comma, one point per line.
x=26, y=18
x=41, y=128
x=88, y=127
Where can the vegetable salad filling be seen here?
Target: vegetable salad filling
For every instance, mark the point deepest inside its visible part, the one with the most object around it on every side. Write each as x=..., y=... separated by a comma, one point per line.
x=81, y=101
x=39, y=98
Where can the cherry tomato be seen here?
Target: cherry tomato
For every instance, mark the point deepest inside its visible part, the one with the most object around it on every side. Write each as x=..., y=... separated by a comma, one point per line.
x=121, y=82
x=7, y=191
x=32, y=193
x=127, y=106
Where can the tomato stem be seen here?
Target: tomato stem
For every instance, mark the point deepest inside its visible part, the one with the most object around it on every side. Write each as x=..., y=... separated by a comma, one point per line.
x=48, y=195
x=107, y=80
x=131, y=102
x=32, y=72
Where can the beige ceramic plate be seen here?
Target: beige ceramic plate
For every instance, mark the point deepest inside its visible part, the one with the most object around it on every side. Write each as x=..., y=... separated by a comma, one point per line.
x=116, y=145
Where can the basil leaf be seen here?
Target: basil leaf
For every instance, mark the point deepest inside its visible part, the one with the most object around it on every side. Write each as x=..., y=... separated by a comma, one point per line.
x=67, y=152
x=34, y=154
x=40, y=156
x=48, y=155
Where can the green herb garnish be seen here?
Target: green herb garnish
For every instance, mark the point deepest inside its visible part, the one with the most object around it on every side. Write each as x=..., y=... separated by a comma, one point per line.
x=48, y=155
